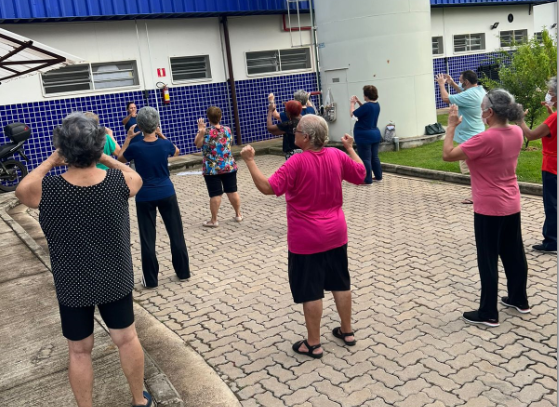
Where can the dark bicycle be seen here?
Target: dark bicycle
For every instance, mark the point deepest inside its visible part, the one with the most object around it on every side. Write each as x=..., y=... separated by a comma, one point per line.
x=12, y=171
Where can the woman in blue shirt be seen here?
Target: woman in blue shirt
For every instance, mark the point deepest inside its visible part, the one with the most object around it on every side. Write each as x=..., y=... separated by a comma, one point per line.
x=366, y=133
x=151, y=154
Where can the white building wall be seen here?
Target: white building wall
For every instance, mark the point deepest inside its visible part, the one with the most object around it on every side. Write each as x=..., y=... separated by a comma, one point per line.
x=262, y=33
x=545, y=15
x=450, y=21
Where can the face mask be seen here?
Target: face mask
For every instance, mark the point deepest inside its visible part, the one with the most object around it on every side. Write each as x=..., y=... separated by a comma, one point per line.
x=548, y=99
x=460, y=85
x=484, y=120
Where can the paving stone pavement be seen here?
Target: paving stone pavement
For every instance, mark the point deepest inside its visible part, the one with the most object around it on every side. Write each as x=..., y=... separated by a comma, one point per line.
x=413, y=267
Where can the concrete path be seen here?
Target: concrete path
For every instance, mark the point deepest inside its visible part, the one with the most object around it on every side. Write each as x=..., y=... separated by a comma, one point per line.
x=413, y=266
x=34, y=352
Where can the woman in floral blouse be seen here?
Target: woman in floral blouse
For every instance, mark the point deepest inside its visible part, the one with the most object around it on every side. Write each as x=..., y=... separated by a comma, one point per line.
x=218, y=166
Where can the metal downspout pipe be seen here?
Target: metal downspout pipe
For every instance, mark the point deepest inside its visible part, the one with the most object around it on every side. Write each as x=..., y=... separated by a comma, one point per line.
x=239, y=139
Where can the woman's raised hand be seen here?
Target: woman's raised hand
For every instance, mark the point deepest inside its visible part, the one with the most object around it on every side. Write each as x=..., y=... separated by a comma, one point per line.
x=56, y=159
x=131, y=132
x=453, y=118
x=347, y=141
x=248, y=153
x=201, y=125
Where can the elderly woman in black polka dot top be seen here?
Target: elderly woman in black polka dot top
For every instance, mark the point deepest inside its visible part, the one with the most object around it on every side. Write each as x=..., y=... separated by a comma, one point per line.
x=84, y=215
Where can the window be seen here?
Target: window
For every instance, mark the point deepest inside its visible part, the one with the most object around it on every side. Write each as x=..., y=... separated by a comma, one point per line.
x=509, y=38
x=73, y=78
x=469, y=42
x=260, y=62
x=437, y=43
x=114, y=74
x=190, y=68
x=539, y=37
x=77, y=78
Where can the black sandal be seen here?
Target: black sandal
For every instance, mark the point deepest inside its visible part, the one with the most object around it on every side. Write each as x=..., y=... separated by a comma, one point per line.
x=337, y=332
x=310, y=350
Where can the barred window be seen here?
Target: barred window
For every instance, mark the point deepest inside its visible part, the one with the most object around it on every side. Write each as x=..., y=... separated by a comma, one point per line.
x=190, y=68
x=469, y=42
x=260, y=62
x=512, y=37
x=437, y=43
x=79, y=78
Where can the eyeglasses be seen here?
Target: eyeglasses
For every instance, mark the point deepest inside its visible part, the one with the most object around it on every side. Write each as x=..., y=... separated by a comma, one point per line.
x=299, y=131
x=490, y=106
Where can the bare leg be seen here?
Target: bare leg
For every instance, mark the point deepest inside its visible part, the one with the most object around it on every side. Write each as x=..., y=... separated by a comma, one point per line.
x=313, y=315
x=215, y=202
x=80, y=370
x=235, y=200
x=131, y=360
x=343, y=305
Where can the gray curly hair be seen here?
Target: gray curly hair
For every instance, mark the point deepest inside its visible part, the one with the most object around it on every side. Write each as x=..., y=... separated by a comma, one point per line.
x=316, y=128
x=301, y=96
x=80, y=140
x=503, y=105
x=148, y=119
x=552, y=85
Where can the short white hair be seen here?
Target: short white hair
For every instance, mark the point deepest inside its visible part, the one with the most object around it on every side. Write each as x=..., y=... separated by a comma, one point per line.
x=316, y=128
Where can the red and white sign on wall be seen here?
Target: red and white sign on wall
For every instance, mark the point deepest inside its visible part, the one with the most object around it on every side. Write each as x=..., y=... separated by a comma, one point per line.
x=161, y=72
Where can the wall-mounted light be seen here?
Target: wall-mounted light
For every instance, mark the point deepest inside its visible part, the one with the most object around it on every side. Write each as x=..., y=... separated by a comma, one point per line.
x=553, y=25
x=495, y=25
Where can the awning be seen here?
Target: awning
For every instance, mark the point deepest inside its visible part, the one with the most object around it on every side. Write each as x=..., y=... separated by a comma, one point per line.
x=21, y=56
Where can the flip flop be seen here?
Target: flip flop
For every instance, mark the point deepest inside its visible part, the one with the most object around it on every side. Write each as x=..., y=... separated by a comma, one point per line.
x=467, y=202
x=239, y=218
x=210, y=224
x=147, y=396
x=310, y=350
x=337, y=332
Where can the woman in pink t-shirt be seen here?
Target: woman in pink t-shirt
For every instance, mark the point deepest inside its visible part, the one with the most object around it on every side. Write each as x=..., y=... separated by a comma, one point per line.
x=316, y=226
x=492, y=157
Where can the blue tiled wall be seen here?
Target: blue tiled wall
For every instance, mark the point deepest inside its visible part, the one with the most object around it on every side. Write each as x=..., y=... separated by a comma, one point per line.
x=457, y=65
x=252, y=96
x=178, y=120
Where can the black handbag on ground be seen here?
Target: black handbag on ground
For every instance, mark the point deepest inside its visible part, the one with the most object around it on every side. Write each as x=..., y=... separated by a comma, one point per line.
x=433, y=129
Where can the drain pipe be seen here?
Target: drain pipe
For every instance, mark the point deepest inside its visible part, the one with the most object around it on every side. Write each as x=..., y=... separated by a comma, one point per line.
x=239, y=139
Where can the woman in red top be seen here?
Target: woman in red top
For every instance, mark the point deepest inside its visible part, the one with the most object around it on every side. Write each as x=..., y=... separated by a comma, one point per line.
x=547, y=131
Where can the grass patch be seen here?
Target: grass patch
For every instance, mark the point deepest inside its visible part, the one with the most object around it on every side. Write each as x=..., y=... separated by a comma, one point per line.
x=429, y=156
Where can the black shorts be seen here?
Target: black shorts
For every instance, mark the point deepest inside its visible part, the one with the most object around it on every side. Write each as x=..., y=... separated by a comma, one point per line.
x=311, y=274
x=77, y=322
x=219, y=183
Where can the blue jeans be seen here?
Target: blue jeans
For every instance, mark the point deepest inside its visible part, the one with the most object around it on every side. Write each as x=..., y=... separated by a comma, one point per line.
x=549, y=182
x=369, y=154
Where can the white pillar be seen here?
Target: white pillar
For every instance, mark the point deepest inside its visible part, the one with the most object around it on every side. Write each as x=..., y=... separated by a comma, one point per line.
x=385, y=43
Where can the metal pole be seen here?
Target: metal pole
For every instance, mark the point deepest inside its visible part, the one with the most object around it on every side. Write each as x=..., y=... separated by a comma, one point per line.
x=299, y=24
x=232, y=80
x=289, y=21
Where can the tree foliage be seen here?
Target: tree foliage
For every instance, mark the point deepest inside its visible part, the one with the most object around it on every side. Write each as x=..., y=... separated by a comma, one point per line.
x=524, y=72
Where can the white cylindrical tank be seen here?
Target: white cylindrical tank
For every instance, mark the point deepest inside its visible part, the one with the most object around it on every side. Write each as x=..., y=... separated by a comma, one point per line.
x=385, y=43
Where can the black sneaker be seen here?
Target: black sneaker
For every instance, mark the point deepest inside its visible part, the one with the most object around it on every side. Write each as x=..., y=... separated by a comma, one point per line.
x=523, y=310
x=472, y=317
x=543, y=248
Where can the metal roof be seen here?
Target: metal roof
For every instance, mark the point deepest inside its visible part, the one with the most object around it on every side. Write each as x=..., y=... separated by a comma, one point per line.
x=450, y=3
x=20, y=56
x=26, y=11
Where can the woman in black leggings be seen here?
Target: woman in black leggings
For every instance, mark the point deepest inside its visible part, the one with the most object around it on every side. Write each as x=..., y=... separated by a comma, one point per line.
x=492, y=157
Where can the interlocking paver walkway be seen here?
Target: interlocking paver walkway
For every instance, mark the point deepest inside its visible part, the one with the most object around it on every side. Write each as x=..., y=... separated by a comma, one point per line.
x=413, y=268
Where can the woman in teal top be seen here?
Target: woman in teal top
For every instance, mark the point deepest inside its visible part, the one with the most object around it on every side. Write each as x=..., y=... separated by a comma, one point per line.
x=111, y=146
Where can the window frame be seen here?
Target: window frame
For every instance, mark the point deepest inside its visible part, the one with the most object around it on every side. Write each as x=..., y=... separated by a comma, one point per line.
x=279, y=71
x=468, y=37
x=440, y=43
x=93, y=89
x=196, y=80
x=514, y=32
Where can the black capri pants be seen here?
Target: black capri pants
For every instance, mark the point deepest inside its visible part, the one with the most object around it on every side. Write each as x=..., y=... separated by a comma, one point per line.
x=219, y=183
x=77, y=322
